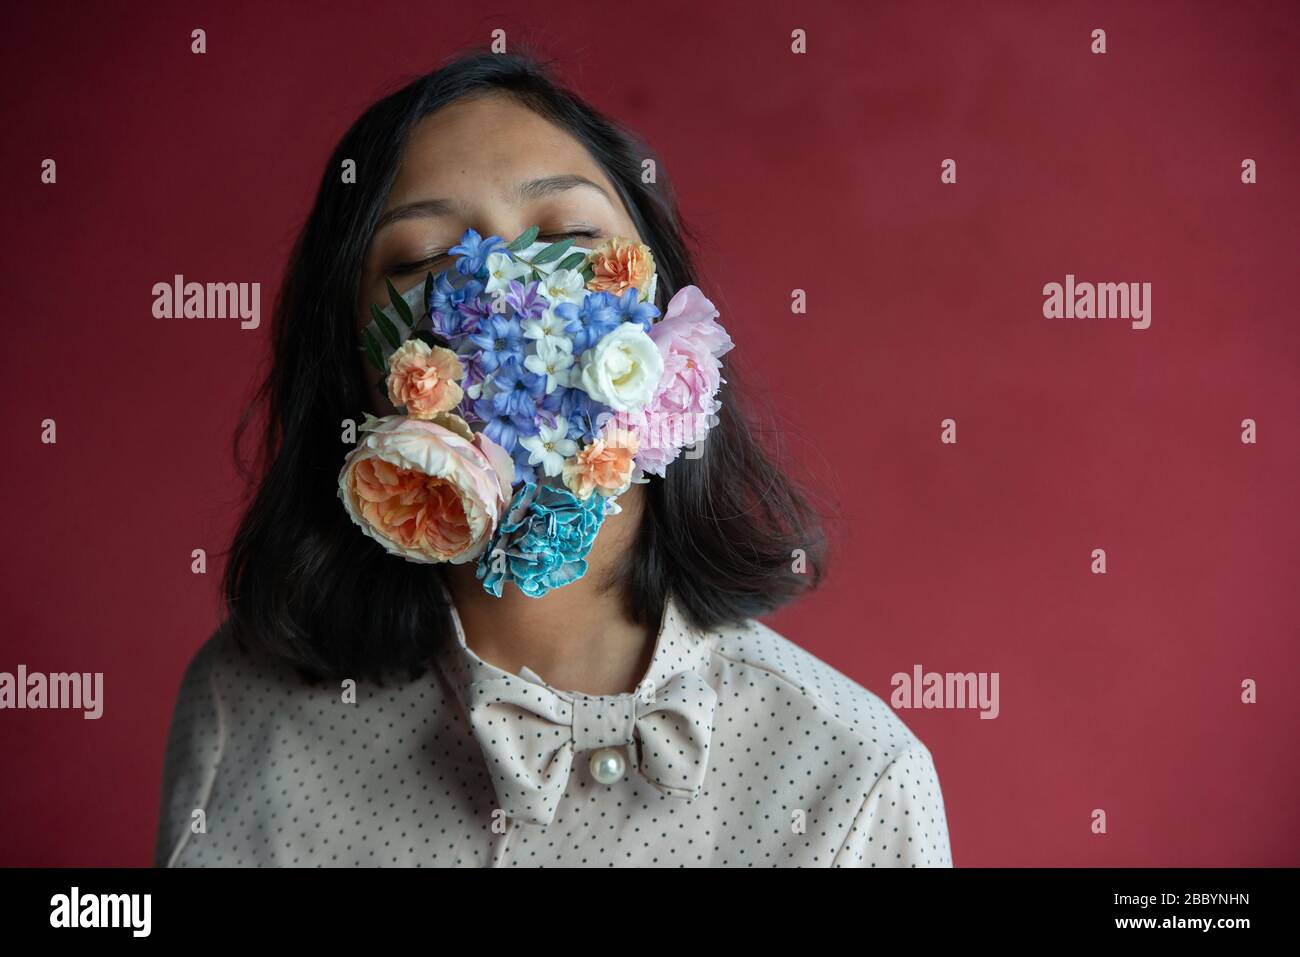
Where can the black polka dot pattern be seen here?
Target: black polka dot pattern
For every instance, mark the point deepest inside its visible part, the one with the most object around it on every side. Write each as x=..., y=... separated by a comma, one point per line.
x=801, y=767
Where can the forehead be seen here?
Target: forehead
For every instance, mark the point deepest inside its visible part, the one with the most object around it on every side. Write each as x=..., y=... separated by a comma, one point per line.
x=481, y=146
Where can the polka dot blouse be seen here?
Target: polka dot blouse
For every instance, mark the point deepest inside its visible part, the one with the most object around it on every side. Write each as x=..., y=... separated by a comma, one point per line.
x=738, y=749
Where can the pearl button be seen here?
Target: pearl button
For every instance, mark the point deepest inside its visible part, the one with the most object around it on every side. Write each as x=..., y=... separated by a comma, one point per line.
x=607, y=765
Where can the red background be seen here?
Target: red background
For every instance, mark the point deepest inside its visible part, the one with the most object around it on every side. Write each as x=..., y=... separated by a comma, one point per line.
x=818, y=172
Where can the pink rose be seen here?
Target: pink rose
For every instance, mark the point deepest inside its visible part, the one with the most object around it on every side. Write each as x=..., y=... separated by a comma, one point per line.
x=427, y=492
x=681, y=410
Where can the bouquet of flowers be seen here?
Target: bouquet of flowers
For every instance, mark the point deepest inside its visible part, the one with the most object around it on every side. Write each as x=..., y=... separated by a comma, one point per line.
x=539, y=381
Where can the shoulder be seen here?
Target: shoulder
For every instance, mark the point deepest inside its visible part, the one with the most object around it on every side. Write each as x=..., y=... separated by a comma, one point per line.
x=881, y=789
x=196, y=701
x=235, y=680
x=759, y=653
x=193, y=750
x=214, y=686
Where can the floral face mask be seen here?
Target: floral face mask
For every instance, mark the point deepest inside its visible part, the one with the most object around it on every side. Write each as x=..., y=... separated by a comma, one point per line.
x=538, y=382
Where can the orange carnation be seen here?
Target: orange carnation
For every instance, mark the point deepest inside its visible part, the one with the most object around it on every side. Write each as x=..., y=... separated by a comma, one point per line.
x=619, y=264
x=604, y=467
x=425, y=379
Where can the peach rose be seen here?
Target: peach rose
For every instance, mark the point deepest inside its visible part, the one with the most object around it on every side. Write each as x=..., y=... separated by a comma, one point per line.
x=604, y=467
x=619, y=264
x=424, y=378
x=423, y=490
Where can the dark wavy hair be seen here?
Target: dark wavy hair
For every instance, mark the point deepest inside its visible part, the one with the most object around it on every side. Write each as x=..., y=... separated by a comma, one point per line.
x=303, y=585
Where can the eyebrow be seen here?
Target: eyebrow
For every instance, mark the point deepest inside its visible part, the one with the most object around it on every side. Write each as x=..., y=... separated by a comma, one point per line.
x=550, y=185
x=425, y=207
x=522, y=192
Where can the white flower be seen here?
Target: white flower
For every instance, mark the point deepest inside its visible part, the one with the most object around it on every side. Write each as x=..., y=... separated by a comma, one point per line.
x=501, y=269
x=622, y=370
x=548, y=326
x=480, y=389
x=564, y=285
x=553, y=359
x=550, y=446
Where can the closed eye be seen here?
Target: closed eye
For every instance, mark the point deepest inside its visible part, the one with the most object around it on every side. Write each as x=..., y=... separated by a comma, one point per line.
x=583, y=231
x=402, y=269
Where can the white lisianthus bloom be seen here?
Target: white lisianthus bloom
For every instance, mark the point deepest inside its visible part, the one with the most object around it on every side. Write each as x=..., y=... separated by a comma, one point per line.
x=550, y=446
x=564, y=285
x=622, y=370
x=553, y=359
x=501, y=269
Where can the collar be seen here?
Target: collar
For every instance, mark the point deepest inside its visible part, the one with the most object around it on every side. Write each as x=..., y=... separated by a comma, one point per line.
x=532, y=733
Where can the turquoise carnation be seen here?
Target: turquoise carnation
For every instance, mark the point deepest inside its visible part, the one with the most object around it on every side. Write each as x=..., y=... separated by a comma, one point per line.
x=542, y=542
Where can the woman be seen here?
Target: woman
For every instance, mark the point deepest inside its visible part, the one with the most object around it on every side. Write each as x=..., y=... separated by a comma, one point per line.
x=357, y=709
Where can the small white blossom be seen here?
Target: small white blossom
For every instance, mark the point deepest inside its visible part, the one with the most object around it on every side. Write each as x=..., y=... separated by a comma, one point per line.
x=550, y=446
x=553, y=359
x=548, y=326
x=501, y=269
x=564, y=285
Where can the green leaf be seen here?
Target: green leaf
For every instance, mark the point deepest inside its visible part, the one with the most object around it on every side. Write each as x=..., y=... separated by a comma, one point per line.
x=572, y=260
x=399, y=304
x=523, y=240
x=588, y=274
x=553, y=251
x=373, y=352
x=428, y=291
x=386, y=326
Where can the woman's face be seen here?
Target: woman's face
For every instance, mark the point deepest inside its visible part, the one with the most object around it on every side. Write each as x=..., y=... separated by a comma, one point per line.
x=488, y=163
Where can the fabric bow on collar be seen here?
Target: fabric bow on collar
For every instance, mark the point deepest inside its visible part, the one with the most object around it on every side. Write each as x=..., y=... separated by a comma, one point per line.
x=530, y=734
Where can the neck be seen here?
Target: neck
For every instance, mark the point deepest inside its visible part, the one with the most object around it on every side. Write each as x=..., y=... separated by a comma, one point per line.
x=577, y=638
